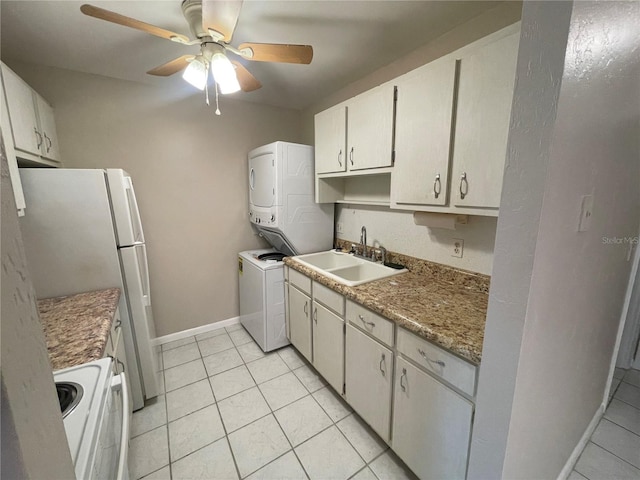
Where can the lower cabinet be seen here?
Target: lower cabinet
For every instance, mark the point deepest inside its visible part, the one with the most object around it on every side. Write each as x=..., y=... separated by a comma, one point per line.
x=299, y=321
x=431, y=424
x=415, y=395
x=369, y=375
x=328, y=346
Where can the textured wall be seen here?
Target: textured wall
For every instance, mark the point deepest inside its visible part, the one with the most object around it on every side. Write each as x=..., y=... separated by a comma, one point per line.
x=557, y=294
x=34, y=444
x=189, y=168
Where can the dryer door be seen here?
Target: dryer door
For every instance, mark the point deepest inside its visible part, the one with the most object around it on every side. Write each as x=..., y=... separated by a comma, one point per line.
x=262, y=180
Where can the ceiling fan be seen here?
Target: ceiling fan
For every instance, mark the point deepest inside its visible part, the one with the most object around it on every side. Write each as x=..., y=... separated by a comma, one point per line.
x=212, y=23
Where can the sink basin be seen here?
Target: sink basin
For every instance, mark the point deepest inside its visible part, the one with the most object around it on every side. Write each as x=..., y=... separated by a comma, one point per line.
x=329, y=260
x=346, y=268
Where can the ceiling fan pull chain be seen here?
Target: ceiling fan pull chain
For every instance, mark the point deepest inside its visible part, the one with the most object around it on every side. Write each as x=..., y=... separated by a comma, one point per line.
x=217, y=104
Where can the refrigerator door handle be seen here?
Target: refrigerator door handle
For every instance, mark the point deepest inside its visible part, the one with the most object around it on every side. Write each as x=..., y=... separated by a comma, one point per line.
x=134, y=212
x=144, y=273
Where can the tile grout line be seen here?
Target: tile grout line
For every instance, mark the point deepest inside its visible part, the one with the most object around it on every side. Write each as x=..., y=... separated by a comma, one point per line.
x=621, y=426
x=608, y=451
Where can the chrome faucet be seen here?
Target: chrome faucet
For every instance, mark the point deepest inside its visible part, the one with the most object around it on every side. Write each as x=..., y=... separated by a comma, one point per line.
x=363, y=240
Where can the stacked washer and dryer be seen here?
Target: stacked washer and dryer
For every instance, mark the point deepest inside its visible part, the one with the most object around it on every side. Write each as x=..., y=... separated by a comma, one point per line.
x=282, y=209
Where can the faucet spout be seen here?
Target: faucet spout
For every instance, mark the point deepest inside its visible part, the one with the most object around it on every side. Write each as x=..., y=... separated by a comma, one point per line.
x=363, y=240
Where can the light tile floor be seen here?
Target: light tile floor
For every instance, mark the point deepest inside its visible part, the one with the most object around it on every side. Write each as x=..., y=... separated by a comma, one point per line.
x=614, y=448
x=231, y=411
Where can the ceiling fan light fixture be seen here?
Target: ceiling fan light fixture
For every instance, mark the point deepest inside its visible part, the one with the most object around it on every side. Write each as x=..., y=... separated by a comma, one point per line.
x=224, y=73
x=196, y=73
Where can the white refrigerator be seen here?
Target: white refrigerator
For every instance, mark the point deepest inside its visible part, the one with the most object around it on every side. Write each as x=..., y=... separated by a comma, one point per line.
x=82, y=232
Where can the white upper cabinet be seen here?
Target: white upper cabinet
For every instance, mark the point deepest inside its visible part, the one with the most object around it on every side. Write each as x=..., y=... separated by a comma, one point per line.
x=370, y=123
x=32, y=122
x=423, y=130
x=331, y=140
x=356, y=134
x=49, y=147
x=485, y=94
x=22, y=114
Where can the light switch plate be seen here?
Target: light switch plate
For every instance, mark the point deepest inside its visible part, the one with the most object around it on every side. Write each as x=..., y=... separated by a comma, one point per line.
x=586, y=213
x=339, y=227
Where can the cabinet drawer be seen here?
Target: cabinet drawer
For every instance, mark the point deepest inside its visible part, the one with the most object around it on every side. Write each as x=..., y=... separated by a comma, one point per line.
x=299, y=280
x=329, y=298
x=370, y=322
x=457, y=372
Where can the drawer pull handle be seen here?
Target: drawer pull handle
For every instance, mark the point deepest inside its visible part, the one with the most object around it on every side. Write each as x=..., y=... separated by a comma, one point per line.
x=315, y=315
x=368, y=324
x=382, y=364
x=402, y=377
x=424, y=355
x=306, y=307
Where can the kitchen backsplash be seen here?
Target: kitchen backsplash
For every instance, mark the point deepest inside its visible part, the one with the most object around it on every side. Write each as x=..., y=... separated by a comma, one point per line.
x=396, y=231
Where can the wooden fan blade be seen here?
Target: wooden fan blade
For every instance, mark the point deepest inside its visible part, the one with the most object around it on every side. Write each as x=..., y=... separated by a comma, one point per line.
x=113, y=17
x=174, y=66
x=274, y=52
x=248, y=83
x=221, y=16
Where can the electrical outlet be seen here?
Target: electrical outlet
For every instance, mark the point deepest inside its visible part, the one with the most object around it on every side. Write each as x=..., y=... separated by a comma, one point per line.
x=339, y=227
x=458, y=247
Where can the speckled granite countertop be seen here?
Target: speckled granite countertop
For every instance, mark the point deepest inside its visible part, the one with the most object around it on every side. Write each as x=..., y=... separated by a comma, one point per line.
x=77, y=326
x=442, y=304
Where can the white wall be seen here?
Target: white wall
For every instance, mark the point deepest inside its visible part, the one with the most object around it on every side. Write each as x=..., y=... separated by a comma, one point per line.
x=189, y=168
x=34, y=444
x=396, y=231
x=393, y=228
x=556, y=293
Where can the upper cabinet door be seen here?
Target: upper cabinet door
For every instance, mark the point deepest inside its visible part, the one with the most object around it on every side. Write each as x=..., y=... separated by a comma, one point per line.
x=24, y=120
x=331, y=140
x=485, y=94
x=423, y=134
x=49, y=146
x=370, y=129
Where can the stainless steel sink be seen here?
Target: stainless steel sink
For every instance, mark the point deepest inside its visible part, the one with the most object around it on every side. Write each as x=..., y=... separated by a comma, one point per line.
x=346, y=268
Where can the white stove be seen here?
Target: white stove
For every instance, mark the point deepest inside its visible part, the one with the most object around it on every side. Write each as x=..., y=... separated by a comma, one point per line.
x=97, y=429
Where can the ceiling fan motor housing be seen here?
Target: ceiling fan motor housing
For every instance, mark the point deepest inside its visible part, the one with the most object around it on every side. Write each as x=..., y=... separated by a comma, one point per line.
x=192, y=11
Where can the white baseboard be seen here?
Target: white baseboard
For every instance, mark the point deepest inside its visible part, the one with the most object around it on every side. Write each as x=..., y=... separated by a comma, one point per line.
x=196, y=331
x=586, y=436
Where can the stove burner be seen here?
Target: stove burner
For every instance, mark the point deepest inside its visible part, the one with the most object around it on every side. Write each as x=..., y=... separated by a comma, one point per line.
x=69, y=395
x=272, y=256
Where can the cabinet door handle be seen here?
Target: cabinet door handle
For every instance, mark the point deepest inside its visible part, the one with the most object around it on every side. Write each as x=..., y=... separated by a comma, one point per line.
x=368, y=324
x=118, y=324
x=437, y=187
x=39, y=135
x=315, y=315
x=424, y=355
x=464, y=183
x=306, y=307
x=121, y=364
x=382, y=365
x=402, y=377
x=48, y=141
x=351, y=155
x=340, y=157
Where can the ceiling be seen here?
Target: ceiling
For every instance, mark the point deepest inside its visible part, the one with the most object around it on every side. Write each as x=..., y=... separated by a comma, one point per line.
x=350, y=40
